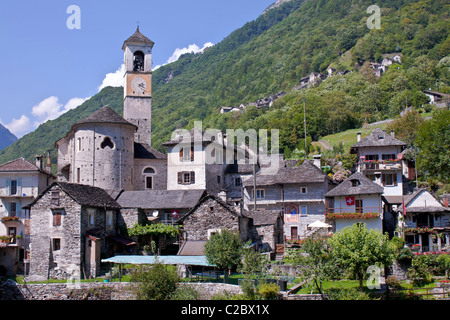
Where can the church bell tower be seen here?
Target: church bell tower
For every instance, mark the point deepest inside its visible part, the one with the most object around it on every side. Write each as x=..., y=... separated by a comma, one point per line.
x=137, y=105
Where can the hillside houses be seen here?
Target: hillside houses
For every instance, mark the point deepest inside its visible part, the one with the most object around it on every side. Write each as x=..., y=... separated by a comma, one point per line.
x=110, y=178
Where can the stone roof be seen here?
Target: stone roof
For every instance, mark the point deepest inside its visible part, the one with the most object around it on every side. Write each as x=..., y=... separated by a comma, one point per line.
x=215, y=198
x=264, y=217
x=84, y=195
x=160, y=199
x=414, y=195
x=21, y=165
x=363, y=186
x=304, y=173
x=138, y=38
x=378, y=138
x=145, y=151
x=105, y=115
x=194, y=135
x=192, y=248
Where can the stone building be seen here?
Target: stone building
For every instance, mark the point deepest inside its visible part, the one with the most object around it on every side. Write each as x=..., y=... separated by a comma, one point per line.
x=212, y=214
x=72, y=227
x=297, y=191
x=112, y=152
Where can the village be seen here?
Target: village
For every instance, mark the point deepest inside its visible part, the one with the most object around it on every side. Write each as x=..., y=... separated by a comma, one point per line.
x=110, y=180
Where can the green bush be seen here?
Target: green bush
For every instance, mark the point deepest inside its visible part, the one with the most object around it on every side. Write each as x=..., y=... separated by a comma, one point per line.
x=268, y=291
x=157, y=282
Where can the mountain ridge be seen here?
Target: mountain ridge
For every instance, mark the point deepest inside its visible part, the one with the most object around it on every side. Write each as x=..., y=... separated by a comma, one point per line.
x=272, y=53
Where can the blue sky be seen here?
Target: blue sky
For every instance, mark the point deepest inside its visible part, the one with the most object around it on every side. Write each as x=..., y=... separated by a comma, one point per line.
x=48, y=68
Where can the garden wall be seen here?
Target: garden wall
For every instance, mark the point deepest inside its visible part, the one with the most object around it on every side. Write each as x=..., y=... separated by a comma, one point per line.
x=10, y=290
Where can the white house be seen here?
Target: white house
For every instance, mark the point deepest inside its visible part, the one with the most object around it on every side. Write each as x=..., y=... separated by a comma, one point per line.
x=378, y=160
x=20, y=183
x=356, y=200
x=425, y=222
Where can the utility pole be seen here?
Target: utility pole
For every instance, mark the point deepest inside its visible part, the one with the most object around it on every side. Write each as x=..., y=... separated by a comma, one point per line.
x=304, y=124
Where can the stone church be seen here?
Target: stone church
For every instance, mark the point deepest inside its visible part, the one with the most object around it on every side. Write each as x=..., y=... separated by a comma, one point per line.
x=112, y=152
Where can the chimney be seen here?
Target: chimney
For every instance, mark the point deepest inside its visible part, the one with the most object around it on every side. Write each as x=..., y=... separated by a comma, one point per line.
x=393, y=133
x=358, y=136
x=48, y=167
x=38, y=161
x=223, y=195
x=317, y=161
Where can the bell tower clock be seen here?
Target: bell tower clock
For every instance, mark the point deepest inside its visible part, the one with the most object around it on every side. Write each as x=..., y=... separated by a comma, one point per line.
x=137, y=104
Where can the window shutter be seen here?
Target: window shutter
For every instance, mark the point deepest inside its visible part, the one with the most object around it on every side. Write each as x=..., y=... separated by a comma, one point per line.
x=395, y=178
x=192, y=177
x=18, y=210
x=181, y=153
x=192, y=153
x=383, y=177
x=180, y=177
x=8, y=186
x=19, y=186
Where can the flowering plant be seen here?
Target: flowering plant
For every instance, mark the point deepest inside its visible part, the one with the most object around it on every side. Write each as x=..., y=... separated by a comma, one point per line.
x=353, y=215
x=4, y=219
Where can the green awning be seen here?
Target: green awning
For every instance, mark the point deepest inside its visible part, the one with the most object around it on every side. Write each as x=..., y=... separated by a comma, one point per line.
x=172, y=260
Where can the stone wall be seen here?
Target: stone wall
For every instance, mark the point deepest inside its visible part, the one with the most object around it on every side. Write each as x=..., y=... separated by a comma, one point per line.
x=209, y=216
x=96, y=291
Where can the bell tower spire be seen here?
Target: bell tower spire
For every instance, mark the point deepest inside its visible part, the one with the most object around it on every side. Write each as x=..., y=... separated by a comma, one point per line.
x=137, y=105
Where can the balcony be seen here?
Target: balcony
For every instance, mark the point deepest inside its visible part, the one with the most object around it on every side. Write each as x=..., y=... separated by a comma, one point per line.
x=11, y=241
x=392, y=164
x=357, y=213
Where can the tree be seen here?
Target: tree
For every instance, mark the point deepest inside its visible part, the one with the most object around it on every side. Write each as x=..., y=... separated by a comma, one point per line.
x=356, y=248
x=314, y=262
x=406, y=127
x=157, y=282
x=433, y=139
x=224, y=250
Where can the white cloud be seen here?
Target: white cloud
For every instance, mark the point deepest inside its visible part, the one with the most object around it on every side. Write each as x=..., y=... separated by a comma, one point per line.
x=114, y=79
x=19, y=127
x=192, y=48
x=50, y=108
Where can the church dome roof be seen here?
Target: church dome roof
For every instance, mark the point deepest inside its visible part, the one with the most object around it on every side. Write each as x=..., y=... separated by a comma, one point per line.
x=105, y=115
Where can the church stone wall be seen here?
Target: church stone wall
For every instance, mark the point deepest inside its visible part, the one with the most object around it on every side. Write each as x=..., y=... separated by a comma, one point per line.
x=102, y=164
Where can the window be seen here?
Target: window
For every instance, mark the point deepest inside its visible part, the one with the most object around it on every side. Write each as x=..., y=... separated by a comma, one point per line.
x=303, y=190
x=78, y=175
x=389, y=179
x=91, y=216
x=79, y=144
x=138, y=61
x=218, y=179
x=358, y=205
x=109, y=218
x=13, y=187
x=56, y=242
x=57, y=218
x=186, y=177
x=186, y=154
x=260, y=194
x=149, y=170
x=389, y=156
x=107, y=142
x=355, y=183
x=237, y=182
x=149, y=182
x=12, y=209
x=304, y=211
x=55, y=198
x=12, y=231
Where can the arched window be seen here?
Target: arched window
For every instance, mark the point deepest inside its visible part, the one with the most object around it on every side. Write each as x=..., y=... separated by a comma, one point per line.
x=149, y=170
x=107, y=142
x=138, y=61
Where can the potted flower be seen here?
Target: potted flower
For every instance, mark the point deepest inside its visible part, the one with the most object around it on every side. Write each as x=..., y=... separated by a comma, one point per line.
x=415, y=247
